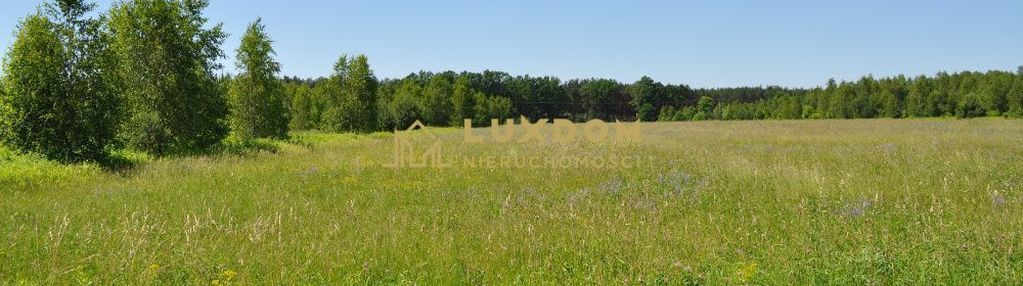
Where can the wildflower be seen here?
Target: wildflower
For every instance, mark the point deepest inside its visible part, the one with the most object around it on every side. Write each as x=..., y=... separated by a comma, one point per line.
x=746, y=272
x=153, y=268
x=998, y=199
x=680, y=183
x=225, y=278
x=613, y=186
x=858, y=208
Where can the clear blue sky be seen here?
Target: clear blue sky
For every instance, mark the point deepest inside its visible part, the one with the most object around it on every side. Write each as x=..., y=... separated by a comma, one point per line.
x=700, y=43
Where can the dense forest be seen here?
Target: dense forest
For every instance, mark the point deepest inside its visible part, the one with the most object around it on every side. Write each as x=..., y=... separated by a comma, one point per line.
x=144, y=76
x=446, y=98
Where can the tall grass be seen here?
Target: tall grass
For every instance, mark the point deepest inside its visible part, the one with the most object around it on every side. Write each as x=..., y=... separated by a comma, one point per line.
x=765, y=202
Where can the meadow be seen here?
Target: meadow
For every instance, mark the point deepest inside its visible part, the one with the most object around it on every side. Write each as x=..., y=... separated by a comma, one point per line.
x=839, y=202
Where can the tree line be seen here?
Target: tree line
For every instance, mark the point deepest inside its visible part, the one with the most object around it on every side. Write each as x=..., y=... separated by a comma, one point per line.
x=961, y=95
x=446, y=98
x=144, y=76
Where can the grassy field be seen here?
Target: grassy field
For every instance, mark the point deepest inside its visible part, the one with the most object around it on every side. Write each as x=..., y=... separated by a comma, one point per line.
x=766, y=202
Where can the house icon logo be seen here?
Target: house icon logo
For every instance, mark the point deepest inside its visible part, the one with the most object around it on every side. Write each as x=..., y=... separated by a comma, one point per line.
x=409, y=154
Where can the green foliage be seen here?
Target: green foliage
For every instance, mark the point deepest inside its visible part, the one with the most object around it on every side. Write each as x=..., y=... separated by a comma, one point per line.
x=437, y=106
x=646, y=112
x=59, y=97
x=257, y=99
x=645, y=94
x=385, y=96
x=580, y=100
x=491, y=107
x=463, y=101
x=667, y=114
x=705, y=105
x=301, y=108
x=406, y=107
x=166, y=62
x=603, y=99
x=970, y=106
x=352, y=97
x=359, y=89
x=537, y=97
x=649, y=97
x=1014, y=98
x=685, y=114
x=319, y=99
x=889, y=105
x=433, y=99
x=916, y=101
x=967, y=94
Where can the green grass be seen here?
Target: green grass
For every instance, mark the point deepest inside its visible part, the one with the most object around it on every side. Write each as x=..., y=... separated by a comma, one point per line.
x=764, y=202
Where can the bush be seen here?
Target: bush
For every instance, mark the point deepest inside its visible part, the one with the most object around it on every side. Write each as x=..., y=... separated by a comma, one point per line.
x=647, y=113
x=970, y=106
